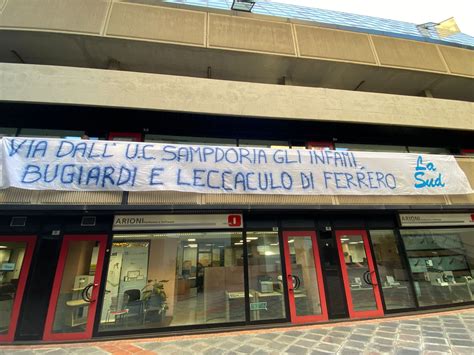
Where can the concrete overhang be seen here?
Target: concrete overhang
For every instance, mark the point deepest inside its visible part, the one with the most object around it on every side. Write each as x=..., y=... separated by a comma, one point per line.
x=27, y=83
x=229, y=46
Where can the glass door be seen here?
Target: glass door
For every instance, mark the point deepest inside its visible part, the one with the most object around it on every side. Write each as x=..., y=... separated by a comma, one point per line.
x=360, y=281
x=73, y=301
x=15, y=259
x=304, y=277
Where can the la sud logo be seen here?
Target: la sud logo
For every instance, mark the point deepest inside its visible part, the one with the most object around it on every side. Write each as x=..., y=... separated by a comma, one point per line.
x=426, y=174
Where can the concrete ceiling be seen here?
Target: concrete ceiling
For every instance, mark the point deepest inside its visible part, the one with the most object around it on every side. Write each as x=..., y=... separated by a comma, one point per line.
x=64, y=49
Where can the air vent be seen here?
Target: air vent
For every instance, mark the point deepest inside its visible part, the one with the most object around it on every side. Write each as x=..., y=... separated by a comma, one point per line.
x=18, y=222
x=88, y=221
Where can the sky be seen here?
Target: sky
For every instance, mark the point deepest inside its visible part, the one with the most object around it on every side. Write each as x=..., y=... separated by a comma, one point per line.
x=414, y=11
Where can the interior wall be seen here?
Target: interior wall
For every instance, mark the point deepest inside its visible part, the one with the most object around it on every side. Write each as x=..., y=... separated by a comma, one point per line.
x=162, y=266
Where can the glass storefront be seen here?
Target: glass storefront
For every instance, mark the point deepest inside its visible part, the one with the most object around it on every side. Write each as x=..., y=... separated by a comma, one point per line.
x=267, y=300
x=12, y=255
x=441, y=262
x=358, y=272
x=393, y=274
x=174, y=279
x=254, y=273
x=71, y=311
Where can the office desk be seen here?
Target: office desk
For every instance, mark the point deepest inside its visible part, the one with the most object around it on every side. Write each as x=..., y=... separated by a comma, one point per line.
x=234, y=305
x=458, y=284
x=275, y=304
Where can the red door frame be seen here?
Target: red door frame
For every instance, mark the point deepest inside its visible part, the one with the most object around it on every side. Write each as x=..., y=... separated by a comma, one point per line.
x=48, y=334
x=319, y=275
x=30, y=241
x=378, y=300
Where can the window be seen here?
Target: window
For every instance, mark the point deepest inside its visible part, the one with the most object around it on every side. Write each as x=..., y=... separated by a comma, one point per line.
x=7, y=132
x=441, y=262
x=12, y=255
x=267, y=299
x=50, y=133
x=320, y=145
x=393, y=274
x=174, y=279
x=154, y=138
x=467, y=152
x=264, y=143
x=125, y=136
x=371, y=147
x=429, y=150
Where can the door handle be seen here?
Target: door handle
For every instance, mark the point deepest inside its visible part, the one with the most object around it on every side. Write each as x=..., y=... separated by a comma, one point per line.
x=368, y=278
x=297, y=282
x=85, y=292
x=293, y=282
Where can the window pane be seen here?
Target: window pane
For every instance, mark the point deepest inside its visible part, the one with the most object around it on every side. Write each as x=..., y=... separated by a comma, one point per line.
x=265, y=276
x=441, y=261
x=7, y=132
x=263, y=143
x=11, y=261
x=50, y=133
x=355, y=257
x=371, y=147
x=304, y=275
x=393, y=274
x=429, y=150
x=71, y=314
x=174, y=279
x=155, y=138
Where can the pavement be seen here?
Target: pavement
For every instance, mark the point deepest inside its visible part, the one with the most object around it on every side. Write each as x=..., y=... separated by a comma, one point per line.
x=450, y=332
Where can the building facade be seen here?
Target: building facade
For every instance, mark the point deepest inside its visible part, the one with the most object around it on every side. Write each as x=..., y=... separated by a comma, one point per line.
x=90, y=263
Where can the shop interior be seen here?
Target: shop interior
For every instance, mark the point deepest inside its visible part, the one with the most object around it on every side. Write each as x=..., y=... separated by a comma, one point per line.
x=11, y=260
x=441, y=262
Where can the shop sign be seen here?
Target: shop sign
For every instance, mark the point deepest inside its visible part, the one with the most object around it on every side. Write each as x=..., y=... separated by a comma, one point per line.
x=178, y=222
x=436, y=219
x=83, y=165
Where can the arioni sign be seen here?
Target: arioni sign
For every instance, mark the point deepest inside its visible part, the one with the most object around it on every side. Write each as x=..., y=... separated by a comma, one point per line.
x=436, y=219
x=78, y=165
x=178, y=222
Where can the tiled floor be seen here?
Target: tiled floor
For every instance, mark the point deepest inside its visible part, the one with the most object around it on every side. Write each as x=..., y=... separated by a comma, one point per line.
x=437, y=333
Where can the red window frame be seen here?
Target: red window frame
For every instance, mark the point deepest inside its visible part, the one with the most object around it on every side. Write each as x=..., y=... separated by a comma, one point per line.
x=378, y=312
x=30, y=241
x=319, y=276
x=48, y=333
x=467, y=151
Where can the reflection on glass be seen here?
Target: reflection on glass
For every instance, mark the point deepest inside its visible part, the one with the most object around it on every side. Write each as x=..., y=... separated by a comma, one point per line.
x=11, y=260
x=79, y=270
x=173, y=279
x=441, y=262
x=305, y=281
x=265, y=276
x=363, y=298
x=393, y=275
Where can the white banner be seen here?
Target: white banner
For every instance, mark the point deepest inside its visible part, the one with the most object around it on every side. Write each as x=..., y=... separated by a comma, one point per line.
x=83, y=165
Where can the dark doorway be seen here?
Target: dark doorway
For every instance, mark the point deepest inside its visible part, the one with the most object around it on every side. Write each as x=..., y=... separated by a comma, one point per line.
x=335, y=296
